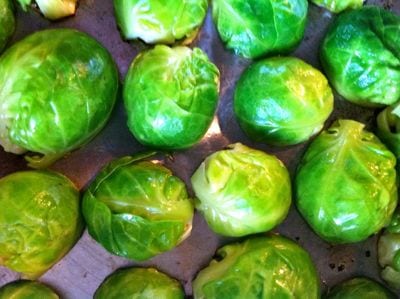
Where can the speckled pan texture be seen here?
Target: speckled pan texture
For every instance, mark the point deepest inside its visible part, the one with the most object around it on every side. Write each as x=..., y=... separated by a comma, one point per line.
x=81, y=271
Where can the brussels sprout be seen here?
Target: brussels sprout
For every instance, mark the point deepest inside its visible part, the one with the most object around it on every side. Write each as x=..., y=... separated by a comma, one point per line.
x=255, y=28
x=137, y=209
x=58, y=89
x=282, y=101
x=41, y=222
x=337, y=6
x=25, y=289
x=242, y=191
x=361, y=56
x=52, y=9
x=389, y=252
x=155, y=21
x=346, y=183
x=7, y=22
x=388, y=122
x=139, y=283
x=359, y=288
x=171, y=95
x=261, y=268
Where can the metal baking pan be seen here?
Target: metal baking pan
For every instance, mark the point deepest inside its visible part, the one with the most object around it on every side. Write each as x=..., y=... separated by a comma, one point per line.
x=81, y=271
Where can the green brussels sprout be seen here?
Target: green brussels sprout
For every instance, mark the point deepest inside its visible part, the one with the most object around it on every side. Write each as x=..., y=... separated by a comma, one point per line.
x=242, y=191
x=155, y=21
x=58, y=89
x=259, y=268
x=137, y=209
x=388, y=123
x=346, y=183
x=52, y=9
x=361, y=56
x=26, y=289
x=282, y=101
x=389, y=252
x=255, y=28
x=171, y=95
x=337, y=6
x=7, y=22
x=41, y=223
x=139, y=283
x=359, y=288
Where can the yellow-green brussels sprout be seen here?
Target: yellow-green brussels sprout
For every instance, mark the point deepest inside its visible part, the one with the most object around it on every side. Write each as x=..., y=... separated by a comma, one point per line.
x=40, y=220
x=337, y=6
x=171, y=95
x=389, y=252
x=359, y=288
x=7, y=22
x=137, y=209
x=254, y=28
x=282, y=101
x=267, y=267
x=361, y=56
x=346, y=183
x=52, y=9
x=155, y=21
x=139, y=283
x=242, y=191
x=26, y=289
x=58, y=89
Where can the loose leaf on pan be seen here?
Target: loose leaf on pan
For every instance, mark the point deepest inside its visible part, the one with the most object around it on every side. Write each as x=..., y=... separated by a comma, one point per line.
x=346, y=183
x=361, y=56
x=25, y=289
x=155, y=21
x=258, y=27
x=59, y=88
x=139, y=283
x=337, y=6
x=52, y=9
x=7, y=22
x=170, y=96
x=265, y=267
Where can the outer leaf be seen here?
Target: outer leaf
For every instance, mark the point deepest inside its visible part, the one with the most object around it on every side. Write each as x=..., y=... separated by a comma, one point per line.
x=41, y=222
x=337, y=6
x=265, y=267
x=282, y=101
x=361, y=56
x=255, y=28
x=7, y=22
x=59, y=87
x=25, y=289
x=388, y=122
x=171, y=95
x=242, y=191
x=359, y=288
x=346, y=183
x=139, y=283
x=137, y=209
x=155, y=21
x=57, y=9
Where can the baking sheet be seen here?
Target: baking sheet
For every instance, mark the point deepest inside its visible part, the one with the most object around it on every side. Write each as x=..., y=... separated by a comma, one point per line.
x=81, y=271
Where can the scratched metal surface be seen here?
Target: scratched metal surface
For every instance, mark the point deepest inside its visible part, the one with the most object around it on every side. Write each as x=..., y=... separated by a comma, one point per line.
x=81, y=271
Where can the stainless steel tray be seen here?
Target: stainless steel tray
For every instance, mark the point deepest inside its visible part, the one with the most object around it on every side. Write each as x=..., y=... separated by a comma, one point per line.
x=81, y=271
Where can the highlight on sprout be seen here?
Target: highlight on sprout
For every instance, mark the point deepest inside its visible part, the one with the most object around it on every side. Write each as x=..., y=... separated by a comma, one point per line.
x=255, y=28
x=137, y=209
x=262, y=267
x=41, y=223
x=155, y=22
x=26, y=289
x=59, y=88
x=337, y=6
x=171, y=95
x=146, y=283
x=242, y=191
x=282, y=101
x=52, y=9
x=346, y=183
x=361, y=56
x=7, y=22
